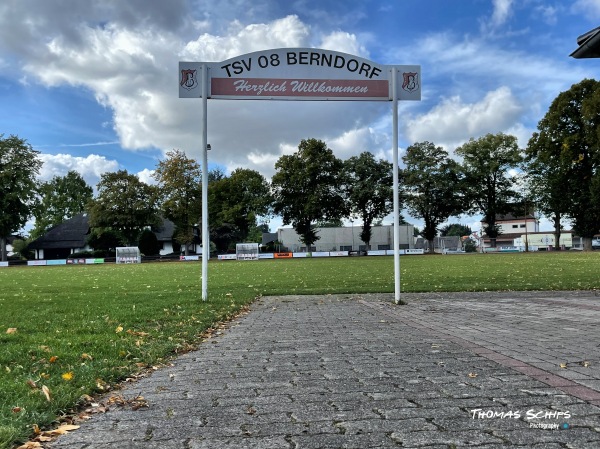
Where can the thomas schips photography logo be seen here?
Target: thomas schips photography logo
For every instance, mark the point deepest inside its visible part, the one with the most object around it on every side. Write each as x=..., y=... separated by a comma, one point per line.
x=537, y=419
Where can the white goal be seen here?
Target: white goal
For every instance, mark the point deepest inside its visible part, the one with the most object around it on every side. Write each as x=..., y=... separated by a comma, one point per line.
x=246, y=251
x=128, y=254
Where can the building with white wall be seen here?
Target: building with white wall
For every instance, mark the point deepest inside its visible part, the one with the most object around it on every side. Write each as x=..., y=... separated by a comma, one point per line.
x=347, y=239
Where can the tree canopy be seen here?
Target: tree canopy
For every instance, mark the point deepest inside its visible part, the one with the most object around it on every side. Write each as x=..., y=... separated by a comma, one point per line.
x=488, y=184
x=124, y=203
x=369, y=190
x=431, y=183
x=61, y=198
x=307, y=187
x=564, y=159
x=19, y=166
x=180, y=190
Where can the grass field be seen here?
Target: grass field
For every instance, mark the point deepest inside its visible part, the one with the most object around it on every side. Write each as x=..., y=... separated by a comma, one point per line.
x=77, y=329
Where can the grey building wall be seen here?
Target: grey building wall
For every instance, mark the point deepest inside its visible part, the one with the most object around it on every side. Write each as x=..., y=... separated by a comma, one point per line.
x=348, y=238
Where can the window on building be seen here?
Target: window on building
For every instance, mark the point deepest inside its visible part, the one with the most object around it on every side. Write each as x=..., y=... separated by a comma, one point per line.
x=515, y=226
x=382, y=247
x=345, y=247
x=522, y=225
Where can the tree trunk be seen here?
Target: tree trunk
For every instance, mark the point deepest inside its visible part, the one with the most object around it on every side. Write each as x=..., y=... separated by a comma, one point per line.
x=431, y=249
x=557, y=231
x=4, y=256
x=587, y=243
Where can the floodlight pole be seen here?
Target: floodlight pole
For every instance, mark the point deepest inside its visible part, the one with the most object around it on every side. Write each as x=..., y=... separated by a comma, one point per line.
x=395, y=190
x=204, y=145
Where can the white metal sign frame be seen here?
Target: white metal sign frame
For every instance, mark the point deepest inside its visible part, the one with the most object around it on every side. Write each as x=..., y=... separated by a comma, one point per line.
x=299, y=74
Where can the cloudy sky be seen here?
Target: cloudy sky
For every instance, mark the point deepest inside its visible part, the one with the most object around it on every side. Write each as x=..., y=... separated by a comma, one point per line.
x=93, y=84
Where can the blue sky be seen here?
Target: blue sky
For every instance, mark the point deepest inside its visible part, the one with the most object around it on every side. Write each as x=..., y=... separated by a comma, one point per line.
x=92, y=84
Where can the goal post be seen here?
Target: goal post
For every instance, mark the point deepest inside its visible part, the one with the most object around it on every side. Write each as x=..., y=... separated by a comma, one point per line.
x=246, y=251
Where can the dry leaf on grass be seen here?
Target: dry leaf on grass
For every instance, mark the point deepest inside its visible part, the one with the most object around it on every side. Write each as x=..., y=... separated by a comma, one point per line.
x=11, y=330
x=46, y=392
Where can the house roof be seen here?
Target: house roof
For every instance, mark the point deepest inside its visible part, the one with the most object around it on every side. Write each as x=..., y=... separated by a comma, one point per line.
x=589, y=45
x=71, y=233
x=164, y=233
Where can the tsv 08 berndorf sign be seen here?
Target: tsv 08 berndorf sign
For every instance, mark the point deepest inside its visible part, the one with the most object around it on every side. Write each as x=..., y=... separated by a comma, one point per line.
x=300, y=74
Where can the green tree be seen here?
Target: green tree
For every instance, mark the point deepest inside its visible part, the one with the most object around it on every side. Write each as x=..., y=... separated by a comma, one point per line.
x=455, y=229
x=105, y=240
x=61, y=198
x=488, y=185
x=19, y=166
x=239, y=200
x=369, y=189
x=148, y=243
x=307, y=188
x=125, y=204
x=564, y=160
x=179, y=180
x=431, y=184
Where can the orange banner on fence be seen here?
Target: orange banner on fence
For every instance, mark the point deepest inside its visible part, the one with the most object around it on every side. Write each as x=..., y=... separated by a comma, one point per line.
x=283, y=255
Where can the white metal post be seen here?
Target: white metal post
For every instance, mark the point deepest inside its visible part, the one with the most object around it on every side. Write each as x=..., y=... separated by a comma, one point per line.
x=204, y=144
x=395, y=180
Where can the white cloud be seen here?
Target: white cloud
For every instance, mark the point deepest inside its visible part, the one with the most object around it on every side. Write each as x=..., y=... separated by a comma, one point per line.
x=587, y=8
x=146, y=176
x=501, y=13
x=453, y=122
x=90, y=167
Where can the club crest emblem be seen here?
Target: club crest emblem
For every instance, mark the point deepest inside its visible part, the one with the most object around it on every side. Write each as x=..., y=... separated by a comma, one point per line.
x=410, y=82
x=188, y=79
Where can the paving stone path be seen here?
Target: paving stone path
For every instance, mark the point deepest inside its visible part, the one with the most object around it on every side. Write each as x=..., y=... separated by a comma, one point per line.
x=491, y=370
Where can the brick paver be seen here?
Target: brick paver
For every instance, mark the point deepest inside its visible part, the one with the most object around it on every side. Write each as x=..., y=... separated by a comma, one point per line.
x=444, y=371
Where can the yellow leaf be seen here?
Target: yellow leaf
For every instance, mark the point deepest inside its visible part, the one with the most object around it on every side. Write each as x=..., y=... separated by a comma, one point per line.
x=36, y=429
x=119, y=329
x=85, y=356
x=61, y=430
x=11, y=330
x=472, y=375
x=563, y=365
x=46, y=392
x=67, y=376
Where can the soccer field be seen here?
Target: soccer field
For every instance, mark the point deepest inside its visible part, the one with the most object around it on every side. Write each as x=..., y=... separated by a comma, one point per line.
x=78, y=329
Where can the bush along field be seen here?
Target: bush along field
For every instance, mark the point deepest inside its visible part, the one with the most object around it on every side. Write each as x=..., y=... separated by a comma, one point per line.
x=71, y=331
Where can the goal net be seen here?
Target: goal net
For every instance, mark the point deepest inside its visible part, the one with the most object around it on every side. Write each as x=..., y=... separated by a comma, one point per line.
x=246, y=251
x=128, y=254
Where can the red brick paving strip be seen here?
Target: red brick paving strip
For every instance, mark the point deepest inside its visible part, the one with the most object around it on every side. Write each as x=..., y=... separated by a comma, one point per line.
x=566, y=385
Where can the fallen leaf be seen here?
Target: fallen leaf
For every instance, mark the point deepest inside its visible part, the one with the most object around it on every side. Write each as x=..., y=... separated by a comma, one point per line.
x=36, y=429
x=85, y=356
x=251, y=410
x=11, y=330
x=44, y=438
x=31, y=445
x=61, y=430
x=119, y=329
x=32, y=384
x=472, y=375
x=563, y=365
x=16, y=409
x=53, y=359
x=585, y=363
x=46, y=392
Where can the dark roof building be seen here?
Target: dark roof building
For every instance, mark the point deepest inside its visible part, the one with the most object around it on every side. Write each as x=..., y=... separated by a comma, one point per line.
x=62, y=239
